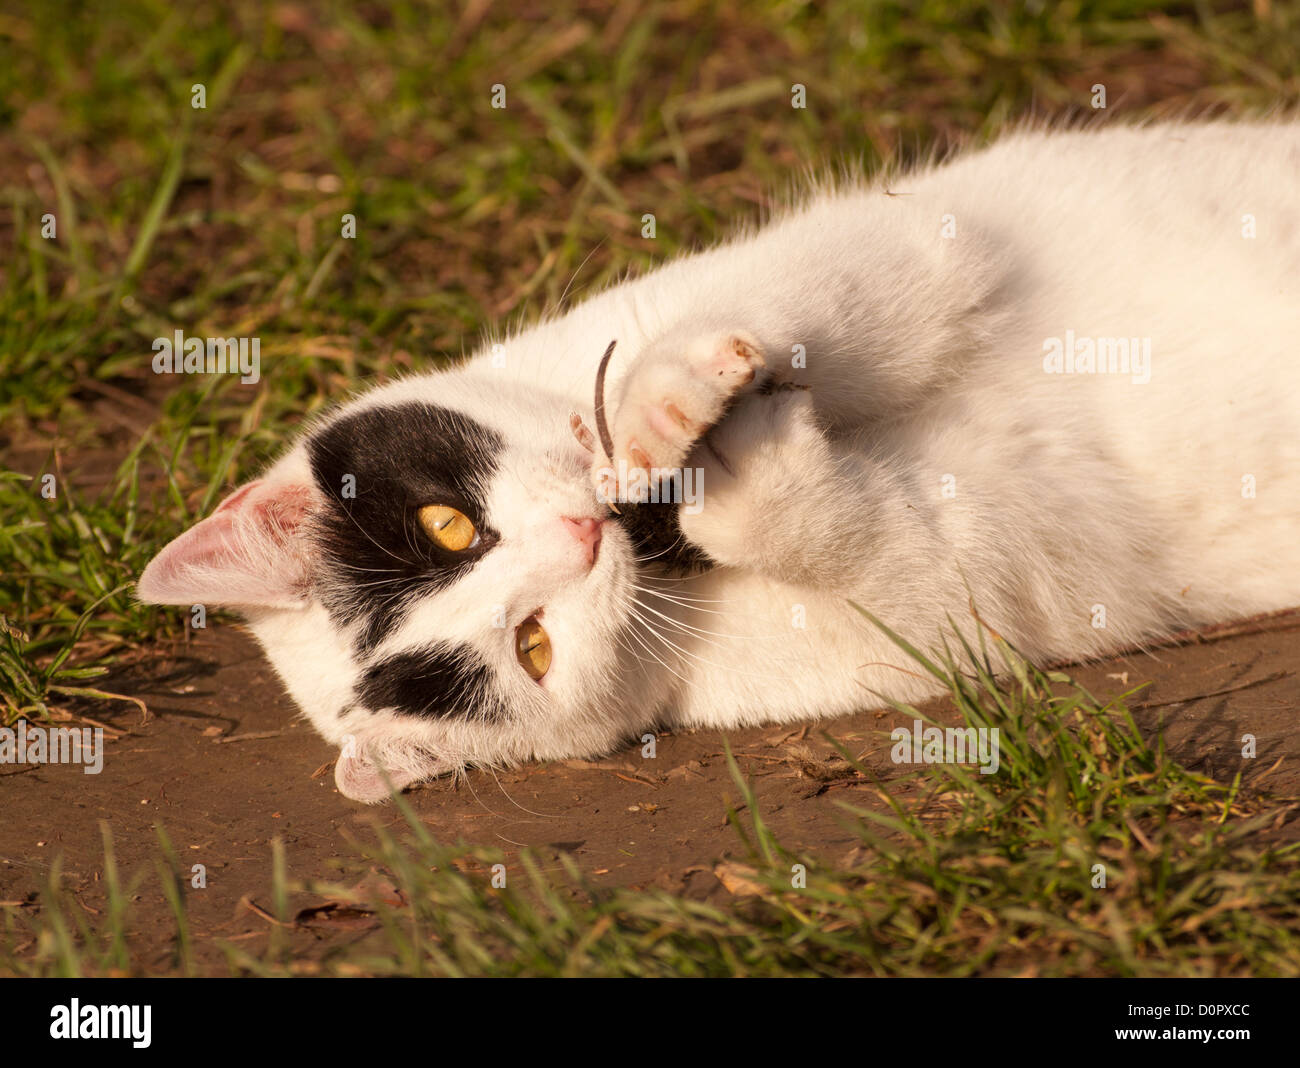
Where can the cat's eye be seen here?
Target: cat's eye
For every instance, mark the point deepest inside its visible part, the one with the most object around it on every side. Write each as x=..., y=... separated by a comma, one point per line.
x=533, y=648
x=448, y=527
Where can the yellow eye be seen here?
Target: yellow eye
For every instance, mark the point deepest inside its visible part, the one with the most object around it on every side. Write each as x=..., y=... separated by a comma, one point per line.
x=449, y=528
x=533, y=648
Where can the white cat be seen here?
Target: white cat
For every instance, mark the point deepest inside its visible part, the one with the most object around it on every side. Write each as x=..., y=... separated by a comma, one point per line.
x=1057, y=377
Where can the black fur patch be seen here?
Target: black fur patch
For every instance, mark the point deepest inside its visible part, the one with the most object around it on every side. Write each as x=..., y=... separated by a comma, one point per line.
x=657, y=535
x=376, y=557
x=437, y=683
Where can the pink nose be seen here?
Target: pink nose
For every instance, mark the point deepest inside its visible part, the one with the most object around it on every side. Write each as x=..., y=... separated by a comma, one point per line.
x=587, y=531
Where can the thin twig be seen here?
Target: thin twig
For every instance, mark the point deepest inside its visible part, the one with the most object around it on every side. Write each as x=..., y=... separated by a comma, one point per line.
x=602, y=427
x=252, y=736
x=1215, y=693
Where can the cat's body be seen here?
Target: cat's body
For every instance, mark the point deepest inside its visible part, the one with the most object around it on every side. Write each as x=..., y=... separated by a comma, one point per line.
x=933, y=458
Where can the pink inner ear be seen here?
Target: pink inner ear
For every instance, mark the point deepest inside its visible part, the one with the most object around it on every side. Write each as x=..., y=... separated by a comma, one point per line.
x=250, y=551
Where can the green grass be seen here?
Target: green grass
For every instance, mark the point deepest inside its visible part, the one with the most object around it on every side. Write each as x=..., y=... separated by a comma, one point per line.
x=226, y=221
x=995, y=875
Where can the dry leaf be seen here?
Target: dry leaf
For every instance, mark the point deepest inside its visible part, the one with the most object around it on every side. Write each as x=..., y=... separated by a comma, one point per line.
x=736, y=878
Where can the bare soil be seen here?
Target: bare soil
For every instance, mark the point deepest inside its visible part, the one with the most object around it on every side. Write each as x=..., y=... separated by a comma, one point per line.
x=225, y=764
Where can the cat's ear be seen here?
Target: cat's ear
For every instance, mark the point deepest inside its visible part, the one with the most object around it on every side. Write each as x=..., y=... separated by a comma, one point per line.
x=371, y=768
x=252, y=551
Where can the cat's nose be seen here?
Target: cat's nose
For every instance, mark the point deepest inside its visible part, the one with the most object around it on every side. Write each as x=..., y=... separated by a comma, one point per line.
x=587, y=533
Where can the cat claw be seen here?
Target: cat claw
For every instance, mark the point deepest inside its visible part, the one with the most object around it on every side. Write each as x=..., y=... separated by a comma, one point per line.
x=675, y=414
x=582, y=432
x=588, y=441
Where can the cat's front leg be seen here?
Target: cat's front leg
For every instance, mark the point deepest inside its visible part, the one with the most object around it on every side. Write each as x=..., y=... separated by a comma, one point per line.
x=778, y=497
x=772, y=493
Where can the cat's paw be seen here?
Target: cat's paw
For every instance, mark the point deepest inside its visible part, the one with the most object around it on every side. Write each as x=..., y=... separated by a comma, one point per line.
x=770, y=463
x=669, y=400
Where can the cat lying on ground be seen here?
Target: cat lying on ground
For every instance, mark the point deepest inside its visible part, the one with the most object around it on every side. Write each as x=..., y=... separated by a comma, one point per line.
x=1056, y=378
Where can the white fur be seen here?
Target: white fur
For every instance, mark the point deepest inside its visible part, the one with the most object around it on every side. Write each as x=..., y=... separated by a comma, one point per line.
x=931, y=458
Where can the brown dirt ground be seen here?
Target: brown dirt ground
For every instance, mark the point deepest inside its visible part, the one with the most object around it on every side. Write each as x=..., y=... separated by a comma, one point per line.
x=225, y=764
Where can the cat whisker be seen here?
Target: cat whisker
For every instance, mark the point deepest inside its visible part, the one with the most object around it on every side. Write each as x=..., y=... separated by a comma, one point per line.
x=681, y=625
x=702, y=660
x=374, y=583
x=670, y=582
x=672, y=546
x=483, y=804
x=630, y=651
x=681, y=599
x=622, y=644
x=655, y=657
x=542, y=815
x=370, y=538
x=574, y=277
x=343, y=564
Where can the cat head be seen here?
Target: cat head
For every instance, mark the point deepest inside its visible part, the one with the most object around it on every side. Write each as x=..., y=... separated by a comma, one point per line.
x=433, y=577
